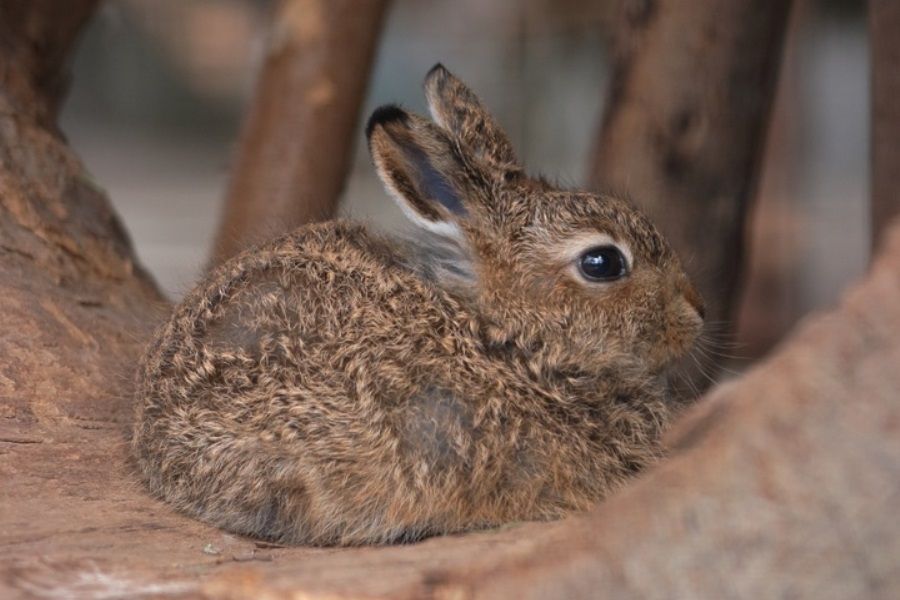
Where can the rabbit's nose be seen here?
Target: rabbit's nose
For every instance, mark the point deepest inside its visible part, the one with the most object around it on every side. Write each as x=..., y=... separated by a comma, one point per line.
x=694, y=298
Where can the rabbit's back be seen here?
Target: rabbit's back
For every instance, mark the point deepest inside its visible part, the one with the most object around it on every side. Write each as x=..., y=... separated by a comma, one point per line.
x=294, y=366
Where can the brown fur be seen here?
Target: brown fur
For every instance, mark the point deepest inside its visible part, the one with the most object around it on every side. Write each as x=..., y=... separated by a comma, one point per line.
x=337, y=387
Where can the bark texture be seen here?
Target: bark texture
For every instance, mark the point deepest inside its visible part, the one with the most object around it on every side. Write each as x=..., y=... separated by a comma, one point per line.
x=685, y=123
x=884, y=24
x=73, y=302
x=299, y=135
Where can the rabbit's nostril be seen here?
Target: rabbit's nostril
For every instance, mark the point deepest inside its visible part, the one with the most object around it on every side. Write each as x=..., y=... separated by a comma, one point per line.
x=695, y=300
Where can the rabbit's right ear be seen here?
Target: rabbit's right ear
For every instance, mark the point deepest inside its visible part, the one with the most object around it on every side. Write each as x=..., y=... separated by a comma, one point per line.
x=457, y=109
x=421, y=168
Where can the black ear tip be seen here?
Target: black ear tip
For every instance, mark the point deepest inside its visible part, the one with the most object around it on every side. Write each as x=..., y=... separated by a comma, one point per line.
x=384, y=114
x=437, y=68
x=437, y=73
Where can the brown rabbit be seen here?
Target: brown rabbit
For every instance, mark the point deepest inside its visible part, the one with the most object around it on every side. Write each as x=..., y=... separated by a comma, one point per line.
x=507, y=364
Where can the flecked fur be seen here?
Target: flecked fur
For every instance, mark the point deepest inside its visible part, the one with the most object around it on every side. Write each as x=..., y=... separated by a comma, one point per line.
x=336, y=387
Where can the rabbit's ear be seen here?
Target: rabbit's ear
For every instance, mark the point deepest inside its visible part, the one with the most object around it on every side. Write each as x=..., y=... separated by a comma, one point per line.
x=457, y=109
x=420, y=166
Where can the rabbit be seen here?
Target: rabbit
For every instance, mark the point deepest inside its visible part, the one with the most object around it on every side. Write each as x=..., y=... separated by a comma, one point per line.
x=506, y=362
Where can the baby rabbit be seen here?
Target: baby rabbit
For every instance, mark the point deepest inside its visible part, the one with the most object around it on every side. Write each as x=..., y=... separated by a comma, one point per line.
x=337, y=387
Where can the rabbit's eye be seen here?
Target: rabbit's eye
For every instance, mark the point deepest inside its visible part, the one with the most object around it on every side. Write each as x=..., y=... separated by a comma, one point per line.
x=603, y=263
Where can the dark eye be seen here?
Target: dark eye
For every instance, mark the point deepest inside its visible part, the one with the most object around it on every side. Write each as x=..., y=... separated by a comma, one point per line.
x=602, y=263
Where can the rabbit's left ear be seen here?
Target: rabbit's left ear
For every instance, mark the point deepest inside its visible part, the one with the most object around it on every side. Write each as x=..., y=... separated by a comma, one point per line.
x=421, y=168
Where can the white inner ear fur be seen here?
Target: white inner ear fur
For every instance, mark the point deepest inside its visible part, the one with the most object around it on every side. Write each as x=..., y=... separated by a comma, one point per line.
x=443, y=228
x=576, y=245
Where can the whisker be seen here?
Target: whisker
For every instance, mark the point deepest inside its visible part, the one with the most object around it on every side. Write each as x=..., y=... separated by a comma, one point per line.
x=712, y=352
x=685, y=381
x=701, y=369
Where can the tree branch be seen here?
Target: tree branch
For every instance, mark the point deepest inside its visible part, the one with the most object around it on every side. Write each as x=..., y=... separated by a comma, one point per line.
x=37, y=37
x=884, y=25
x=298, y=138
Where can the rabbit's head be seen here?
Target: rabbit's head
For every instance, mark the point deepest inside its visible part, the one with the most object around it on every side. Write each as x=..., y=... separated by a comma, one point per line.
x=576, y=276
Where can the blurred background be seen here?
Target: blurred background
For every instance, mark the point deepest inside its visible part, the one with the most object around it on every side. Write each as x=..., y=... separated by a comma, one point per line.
x=160, y=87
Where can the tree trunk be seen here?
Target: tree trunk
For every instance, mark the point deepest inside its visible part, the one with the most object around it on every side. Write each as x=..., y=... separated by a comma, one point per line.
x=684, y=127
x=298, y=138
x=884, y=27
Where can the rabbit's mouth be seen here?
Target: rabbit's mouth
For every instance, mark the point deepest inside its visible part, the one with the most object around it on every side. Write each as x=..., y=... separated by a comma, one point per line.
x=682, y=328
